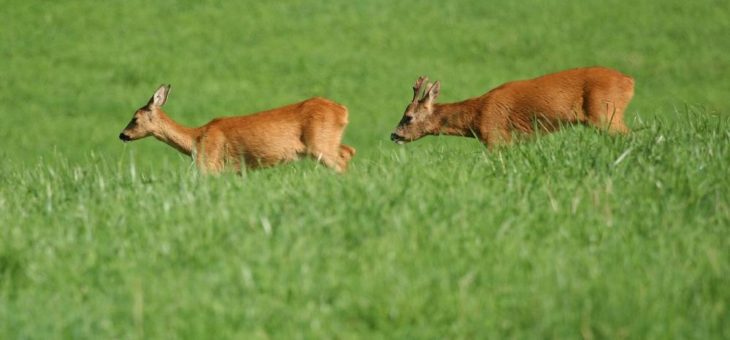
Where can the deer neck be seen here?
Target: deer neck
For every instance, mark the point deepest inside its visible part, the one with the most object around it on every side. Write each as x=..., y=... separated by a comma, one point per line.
x=455, y=119
x=179, y=137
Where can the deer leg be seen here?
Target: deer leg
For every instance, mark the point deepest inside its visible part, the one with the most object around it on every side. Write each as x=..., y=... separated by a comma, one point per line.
x=495, y=133
x=328, y=157
x=496, y=138
x=607, y=114
x=323, y=145
x=209, y=157
x=208, y=165
x=346, y=154
x=494, y=127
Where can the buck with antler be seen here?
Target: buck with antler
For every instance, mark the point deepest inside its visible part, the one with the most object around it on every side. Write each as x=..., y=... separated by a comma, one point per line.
x=311, y=128
x=596, y=96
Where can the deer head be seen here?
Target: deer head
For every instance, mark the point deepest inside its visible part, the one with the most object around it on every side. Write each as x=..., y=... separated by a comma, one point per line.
x=148, y=119
x=416, y=121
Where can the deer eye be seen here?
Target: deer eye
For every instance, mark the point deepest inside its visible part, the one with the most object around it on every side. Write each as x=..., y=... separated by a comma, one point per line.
x=406, y=120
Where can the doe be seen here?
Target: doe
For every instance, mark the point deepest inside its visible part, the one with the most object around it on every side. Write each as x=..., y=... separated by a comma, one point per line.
x=312, y=128
x=596, y=96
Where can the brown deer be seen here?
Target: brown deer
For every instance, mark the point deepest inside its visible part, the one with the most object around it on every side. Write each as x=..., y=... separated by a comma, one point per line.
x=312, y=128
x=596, y=96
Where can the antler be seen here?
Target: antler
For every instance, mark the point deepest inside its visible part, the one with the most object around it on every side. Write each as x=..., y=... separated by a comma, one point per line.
x=417, y=87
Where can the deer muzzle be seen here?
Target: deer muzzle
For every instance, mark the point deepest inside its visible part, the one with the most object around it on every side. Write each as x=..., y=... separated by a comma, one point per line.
x=398, y=139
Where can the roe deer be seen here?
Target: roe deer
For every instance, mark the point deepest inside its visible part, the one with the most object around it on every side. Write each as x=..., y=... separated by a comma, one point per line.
x=595, y=96
x=313, y=128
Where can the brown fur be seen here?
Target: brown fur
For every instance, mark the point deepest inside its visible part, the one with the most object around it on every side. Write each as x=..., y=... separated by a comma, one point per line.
x=311, y=128
x=596, y=96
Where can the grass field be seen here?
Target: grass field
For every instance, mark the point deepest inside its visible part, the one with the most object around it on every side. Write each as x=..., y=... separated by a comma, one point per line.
x=571, y=235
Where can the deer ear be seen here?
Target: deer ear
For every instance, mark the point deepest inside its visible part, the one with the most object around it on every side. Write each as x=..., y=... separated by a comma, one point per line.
x=432, y=92
x=160, y=97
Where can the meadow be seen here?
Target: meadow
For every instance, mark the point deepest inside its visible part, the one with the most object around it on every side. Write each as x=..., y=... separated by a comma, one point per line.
x=576, y=234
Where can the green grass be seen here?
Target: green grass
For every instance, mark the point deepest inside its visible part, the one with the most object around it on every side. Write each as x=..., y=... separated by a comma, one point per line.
x=571, y=235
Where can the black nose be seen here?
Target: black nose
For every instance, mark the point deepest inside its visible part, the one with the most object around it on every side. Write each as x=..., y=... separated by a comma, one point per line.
x=124, y=137
x=393, y=137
